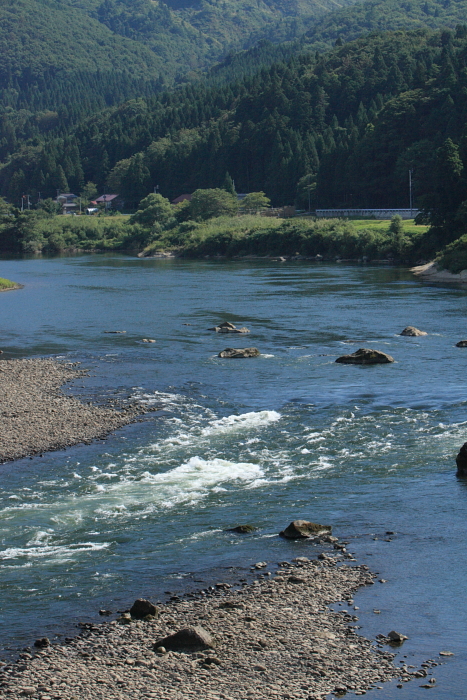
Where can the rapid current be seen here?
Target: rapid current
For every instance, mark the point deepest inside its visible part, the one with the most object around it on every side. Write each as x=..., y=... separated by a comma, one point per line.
x=289, y=434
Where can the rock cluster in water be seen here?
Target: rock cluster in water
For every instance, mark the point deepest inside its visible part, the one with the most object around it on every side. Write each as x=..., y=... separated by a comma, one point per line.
x=276, y=638
x=237, y=353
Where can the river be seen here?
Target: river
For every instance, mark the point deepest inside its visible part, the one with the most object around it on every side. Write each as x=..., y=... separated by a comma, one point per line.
x=287, y=435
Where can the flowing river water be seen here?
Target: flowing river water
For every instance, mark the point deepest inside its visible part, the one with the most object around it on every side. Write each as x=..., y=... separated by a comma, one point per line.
x=287, y=435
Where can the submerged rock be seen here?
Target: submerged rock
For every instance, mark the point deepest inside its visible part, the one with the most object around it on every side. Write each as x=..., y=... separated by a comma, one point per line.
x=141, y=608
x=412, y=331
x=301, y=529
x=188, y=639
x=42, y=643
x=242, y=529
x=365, y=356
x=228, y=327
x=226, y=324
x=239, y=352
x=461, y=461
x=396, y=637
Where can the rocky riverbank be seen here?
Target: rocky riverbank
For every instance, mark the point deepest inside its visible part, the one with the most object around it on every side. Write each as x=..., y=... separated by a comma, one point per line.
x=36, y=416
x=430, y=272
x=274, y=638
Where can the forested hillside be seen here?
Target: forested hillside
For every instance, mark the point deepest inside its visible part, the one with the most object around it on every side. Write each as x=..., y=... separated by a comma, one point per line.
x=52, y=45
x=339, y=129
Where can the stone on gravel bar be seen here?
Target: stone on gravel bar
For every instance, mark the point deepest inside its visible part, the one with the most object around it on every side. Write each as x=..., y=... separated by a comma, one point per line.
x=141, y=608
x=42, y=642
x=188, y=639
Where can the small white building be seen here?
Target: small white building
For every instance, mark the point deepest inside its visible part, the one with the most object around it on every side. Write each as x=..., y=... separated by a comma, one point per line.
x=67, y=202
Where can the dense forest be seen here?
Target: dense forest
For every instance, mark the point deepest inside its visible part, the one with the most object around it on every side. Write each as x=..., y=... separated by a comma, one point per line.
x=306, y=124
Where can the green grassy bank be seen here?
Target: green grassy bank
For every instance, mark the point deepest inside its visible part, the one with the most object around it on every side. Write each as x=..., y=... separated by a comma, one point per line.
x=7, y=284
x=227, y=235
x=262, y=236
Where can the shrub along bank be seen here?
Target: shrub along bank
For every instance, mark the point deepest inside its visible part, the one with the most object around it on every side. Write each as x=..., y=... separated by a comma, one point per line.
x=33, y=233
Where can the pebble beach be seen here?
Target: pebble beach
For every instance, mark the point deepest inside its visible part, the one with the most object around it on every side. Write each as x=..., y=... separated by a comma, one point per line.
x=36, y=416
x=274, y=638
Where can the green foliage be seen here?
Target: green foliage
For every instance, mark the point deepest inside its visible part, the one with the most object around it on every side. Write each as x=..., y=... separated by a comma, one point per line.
x=7, y=284
x=49, y=207
x=454, y=257
x=89, y=193
x=210, y=203
x=153, y=209
x=229, y=185
x=256, y=201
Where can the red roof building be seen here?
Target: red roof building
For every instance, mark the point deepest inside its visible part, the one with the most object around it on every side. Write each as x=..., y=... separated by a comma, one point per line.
x=182, y=198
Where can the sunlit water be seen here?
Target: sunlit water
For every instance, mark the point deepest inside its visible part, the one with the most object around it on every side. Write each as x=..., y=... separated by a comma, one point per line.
x=287, y=435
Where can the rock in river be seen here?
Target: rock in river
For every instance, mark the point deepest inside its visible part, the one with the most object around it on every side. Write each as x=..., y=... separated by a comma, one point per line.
x=461, y=461
x=365, y=356
x=239, y=352
x=228, y=327
x=242, y=529
x=300, y=529
x=412, y=331
x=188, y=639
x=461, y=344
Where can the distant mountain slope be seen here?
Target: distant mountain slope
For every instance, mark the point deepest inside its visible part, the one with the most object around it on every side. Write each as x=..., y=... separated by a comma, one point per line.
x=349, y=23
x=37, y=37
x=141, y=36
x=346, y=24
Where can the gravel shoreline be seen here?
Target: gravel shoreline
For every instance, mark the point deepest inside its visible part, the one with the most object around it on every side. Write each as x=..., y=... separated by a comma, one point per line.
x=274, y=638
x=37, y=417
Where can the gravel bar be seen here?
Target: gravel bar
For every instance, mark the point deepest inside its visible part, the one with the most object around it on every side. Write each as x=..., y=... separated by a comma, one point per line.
x=37, y=417
x=275, y=638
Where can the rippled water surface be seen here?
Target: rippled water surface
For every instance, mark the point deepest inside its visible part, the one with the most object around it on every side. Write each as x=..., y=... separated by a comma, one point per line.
x=287, y=435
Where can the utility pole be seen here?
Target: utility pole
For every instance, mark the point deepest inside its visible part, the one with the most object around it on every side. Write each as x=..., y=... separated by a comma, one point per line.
x=410, y=190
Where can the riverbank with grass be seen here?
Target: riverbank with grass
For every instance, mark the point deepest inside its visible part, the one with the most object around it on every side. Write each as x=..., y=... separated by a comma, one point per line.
x=7, y=285
x=229, y=236
x=326, y=239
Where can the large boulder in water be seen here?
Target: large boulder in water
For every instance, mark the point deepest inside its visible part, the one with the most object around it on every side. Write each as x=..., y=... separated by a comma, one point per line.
x=412, y=331
x=187, y=639
x=461, y=461
x=303, y=529
x=461, y=344
x=239, y=352
x=365, y=356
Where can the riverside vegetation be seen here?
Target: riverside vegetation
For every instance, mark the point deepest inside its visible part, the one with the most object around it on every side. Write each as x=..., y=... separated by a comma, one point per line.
x=333, y=116
x=209, y=226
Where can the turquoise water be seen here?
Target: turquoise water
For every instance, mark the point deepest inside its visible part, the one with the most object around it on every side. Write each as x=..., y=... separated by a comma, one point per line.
x=287, y=435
